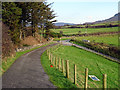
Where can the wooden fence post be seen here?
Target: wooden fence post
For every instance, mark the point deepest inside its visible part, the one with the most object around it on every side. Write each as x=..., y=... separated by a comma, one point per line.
x=86, y=78
x=67, y=68
x=47, y=52
x=59, y=64
x=104, y=81
x=53, y=61
x=75, y=74
x=63, y=66
x=49, y=55
x=56, y=62
x=51, y=58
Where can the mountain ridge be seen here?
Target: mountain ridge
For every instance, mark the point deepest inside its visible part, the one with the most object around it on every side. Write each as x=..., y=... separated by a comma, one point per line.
x=111, y=19
x=63, y=23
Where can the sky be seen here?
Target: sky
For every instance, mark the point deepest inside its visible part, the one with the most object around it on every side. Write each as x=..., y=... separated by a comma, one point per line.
x=79, y=11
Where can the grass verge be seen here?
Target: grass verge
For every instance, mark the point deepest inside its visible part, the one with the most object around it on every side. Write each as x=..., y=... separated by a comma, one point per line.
x=9, y=61
x=55, y=76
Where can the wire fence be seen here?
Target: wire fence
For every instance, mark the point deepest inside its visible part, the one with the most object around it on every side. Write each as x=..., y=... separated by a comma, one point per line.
x=70, y=70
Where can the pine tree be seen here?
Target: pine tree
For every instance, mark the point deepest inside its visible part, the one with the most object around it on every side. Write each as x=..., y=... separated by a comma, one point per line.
x=49, y=16
x=18, y=15
x=10, y=15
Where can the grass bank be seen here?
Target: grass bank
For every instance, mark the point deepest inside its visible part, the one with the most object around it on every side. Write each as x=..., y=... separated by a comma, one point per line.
x=56, y=77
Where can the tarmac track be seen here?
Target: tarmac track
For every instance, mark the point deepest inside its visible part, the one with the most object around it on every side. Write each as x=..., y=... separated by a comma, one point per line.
x=27, y=72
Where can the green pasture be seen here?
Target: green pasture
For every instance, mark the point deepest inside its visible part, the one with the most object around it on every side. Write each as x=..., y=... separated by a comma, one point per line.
x=97, y=65
x=107, y=39
x=69, y=31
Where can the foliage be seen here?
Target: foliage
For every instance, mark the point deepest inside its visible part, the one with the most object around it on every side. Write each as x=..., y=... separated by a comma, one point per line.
x=24, y=18
x=61, y=32
x=7, y=45
x=11, y=16
x=53, y=34
x=20, y=15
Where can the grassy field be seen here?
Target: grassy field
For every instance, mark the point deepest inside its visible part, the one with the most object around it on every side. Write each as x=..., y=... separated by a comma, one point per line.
x=98, y=24
x=97, y=65
x=107, y=39
x=85, y=30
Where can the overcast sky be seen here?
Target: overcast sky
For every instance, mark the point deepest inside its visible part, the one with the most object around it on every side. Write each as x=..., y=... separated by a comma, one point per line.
x=79, y=11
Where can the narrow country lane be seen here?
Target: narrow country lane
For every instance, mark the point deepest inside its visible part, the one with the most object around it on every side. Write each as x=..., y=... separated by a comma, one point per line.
x=27, y=72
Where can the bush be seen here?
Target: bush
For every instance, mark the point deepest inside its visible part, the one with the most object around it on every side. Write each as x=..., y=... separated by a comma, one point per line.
x=8, y=48
x=54, y=35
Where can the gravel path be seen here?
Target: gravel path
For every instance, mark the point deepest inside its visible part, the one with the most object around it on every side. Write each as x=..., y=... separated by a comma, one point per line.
x=27, y=72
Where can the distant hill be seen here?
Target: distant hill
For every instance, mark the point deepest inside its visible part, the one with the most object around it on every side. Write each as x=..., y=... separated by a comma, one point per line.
x=114, y=18
x=62, y=24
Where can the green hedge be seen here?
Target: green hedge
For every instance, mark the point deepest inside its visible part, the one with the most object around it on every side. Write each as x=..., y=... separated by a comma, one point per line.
x=99, y=47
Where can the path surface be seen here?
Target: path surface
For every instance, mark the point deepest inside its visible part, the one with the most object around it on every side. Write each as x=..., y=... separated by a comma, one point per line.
x=66, y=42
x=27, y=72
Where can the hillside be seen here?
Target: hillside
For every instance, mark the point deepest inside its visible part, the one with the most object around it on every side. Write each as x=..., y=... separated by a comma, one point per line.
x=114, y=18
x=62, y=24
x=111, y=19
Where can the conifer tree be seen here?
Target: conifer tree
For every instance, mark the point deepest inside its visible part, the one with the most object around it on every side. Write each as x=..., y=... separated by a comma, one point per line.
x=11, y=16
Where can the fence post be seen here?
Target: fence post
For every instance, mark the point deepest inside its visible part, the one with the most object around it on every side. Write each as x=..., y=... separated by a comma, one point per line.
x=75, y=74
x=51, y=58
x=59, y=64
x=67, y=68
x=49, y=55
x=56, y=62
x=104, y=81
x=63, y=66
x=86, y=78
x=47, y=52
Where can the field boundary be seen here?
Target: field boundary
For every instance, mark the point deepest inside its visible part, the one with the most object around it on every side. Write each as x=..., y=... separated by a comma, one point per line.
x=66, y=42
x=98, y=53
